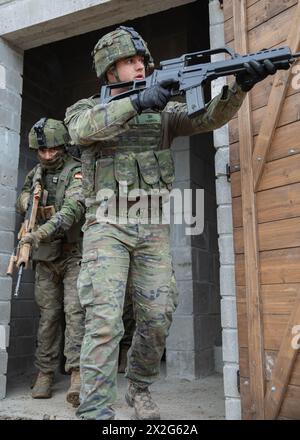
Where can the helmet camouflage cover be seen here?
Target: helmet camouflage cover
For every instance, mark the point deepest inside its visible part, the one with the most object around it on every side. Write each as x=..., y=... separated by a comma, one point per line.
x=48, y=133
x=121, y=43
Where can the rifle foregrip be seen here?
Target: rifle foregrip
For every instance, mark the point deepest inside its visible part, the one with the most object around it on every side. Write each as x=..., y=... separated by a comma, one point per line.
x=195, y=101
x=24, y=255
x=10, y=267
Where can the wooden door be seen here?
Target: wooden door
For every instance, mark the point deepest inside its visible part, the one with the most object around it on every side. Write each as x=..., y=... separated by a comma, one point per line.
x=265, y=167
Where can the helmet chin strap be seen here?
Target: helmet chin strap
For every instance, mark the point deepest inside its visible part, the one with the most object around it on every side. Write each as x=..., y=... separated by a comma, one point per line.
x=115, y=72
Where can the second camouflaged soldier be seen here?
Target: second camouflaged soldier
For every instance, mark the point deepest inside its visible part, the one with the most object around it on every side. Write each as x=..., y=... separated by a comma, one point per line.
x=57, y=246
x=126, y=145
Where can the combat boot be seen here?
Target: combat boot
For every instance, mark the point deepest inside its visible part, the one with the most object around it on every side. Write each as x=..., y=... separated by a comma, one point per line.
x=42, y=388
x=74, y=390
x=144, y=406
x=123, y=359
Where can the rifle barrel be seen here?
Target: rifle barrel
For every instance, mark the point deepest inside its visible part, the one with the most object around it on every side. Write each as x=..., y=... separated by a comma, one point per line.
x=20, y=273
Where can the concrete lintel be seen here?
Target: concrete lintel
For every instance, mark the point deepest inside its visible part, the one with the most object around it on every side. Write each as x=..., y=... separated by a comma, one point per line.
x=32, y=23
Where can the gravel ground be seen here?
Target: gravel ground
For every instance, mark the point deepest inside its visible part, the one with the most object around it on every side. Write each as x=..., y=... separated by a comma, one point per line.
x=178, y=399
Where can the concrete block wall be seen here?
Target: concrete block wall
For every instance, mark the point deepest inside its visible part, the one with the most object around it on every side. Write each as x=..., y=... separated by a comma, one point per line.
x=181, y=355
x=196, y=324
x=11, y=67
x=225, y=231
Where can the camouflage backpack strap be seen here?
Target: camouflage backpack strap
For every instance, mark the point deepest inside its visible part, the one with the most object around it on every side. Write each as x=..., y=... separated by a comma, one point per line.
x=88, y=160
x=64, y=179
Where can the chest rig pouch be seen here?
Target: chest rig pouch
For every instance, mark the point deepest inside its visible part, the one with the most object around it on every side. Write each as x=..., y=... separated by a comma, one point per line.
x=47, y=251
x=137, y=162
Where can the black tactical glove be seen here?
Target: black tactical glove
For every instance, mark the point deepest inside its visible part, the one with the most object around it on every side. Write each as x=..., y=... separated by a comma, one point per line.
x=155, y=97
x=257, y=71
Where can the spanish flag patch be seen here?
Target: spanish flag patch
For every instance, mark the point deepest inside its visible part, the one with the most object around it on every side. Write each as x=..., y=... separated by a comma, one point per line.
x=78, y=176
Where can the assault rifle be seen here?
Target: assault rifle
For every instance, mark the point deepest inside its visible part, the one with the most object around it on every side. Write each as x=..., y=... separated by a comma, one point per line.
x=21, y=257
x=191, y=73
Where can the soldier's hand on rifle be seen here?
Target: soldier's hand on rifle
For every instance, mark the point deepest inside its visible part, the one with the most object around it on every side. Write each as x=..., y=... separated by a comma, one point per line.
x=155, y=97
x=31, y=238
x=24, y=201
x=257, y=71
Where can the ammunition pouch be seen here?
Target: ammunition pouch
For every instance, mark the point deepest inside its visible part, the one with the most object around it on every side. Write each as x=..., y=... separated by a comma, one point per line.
x=127, y=171
x=48, y=251
x=44, y=213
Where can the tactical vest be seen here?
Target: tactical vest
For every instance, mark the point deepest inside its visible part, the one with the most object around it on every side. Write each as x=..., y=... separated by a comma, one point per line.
x=132, y=160
x=56, y=183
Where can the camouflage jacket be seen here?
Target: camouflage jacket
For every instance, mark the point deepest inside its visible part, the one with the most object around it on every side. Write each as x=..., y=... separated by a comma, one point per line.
x=89, y=122
x=136, y=141
x=71, y=207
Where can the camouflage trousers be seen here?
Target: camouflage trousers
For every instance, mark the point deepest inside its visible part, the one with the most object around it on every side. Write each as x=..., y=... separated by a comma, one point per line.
x=110, y=252
x=55, y=294
x=128, y=310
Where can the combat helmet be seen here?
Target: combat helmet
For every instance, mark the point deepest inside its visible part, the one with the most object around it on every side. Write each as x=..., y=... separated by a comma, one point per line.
x=121, y=43
x=48, y=133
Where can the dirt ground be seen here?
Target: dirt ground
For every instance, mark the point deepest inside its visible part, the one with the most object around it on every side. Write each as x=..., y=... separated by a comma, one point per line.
x=178, y=399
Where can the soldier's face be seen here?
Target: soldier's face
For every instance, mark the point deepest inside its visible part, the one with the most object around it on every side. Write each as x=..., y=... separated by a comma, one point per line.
x=128, y=69
x=49, y=153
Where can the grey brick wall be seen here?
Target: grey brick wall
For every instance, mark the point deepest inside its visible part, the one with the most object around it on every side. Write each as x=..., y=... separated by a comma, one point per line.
x=11, y=66
x=196, y=327
x=225, y=231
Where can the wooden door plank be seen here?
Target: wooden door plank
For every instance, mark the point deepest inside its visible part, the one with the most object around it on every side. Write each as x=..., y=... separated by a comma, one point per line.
x=290, y=407
x=285, y=143
x=261, y=92
x=270, y=34
x=276, y=267
x=254, y=317
x=270, y=356
x=281, y=234
x=286, y=357
x=281, y=172
x=274, y=329
x=274, y=107
x=289, y=114
x=258, y=14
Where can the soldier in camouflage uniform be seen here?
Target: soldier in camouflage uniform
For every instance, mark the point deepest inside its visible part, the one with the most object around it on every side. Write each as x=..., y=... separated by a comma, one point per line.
x=126, y=145
x=57, y=247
